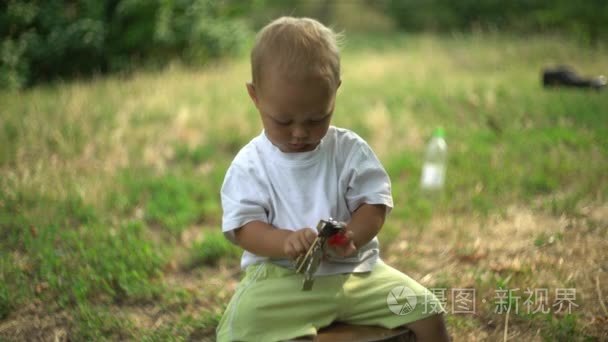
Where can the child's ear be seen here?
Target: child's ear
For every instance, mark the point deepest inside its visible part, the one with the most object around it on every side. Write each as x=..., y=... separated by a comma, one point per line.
x=252, y=94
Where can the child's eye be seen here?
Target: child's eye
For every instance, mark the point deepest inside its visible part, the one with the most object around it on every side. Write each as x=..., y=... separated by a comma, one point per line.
x=283, y=123
x=321, y=120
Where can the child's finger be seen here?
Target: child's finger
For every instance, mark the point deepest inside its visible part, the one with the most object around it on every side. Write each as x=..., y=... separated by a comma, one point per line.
x=291, y=253
x=294, y=246
x=310, y=235
x=306, y=240
x=351, y=249
x=346, y=249
x=289, y=250
x=299, y=246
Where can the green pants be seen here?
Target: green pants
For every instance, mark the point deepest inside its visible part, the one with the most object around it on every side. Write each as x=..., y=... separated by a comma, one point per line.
x=268, y=304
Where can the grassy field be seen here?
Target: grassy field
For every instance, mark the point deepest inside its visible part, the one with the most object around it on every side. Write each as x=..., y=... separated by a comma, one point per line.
x=110, y=213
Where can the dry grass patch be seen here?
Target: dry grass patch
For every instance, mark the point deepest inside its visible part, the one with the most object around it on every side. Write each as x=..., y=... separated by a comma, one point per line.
x=519, y=249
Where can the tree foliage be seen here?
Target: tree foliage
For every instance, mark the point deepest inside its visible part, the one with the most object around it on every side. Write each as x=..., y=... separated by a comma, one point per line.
x=45, y=40
x=586, y=19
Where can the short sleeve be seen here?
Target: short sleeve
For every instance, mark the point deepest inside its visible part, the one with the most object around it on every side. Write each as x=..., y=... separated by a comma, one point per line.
x=368, y=182
x=242, y=200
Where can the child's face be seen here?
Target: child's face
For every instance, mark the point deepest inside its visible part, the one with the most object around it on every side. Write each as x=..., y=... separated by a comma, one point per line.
x=295, y=115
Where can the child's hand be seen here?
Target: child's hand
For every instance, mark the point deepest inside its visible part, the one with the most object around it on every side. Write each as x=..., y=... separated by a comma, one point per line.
x=299, y=241
x=342, y=244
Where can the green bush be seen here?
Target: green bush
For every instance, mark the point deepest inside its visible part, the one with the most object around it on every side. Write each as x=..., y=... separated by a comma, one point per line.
x=42, y=41
x=583, y=19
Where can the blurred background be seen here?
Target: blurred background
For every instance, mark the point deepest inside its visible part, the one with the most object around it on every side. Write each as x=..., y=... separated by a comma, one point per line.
x=118, y=120
x=61, y=39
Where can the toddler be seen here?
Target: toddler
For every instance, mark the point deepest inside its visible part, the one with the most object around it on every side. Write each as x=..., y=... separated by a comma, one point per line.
x=300, y=169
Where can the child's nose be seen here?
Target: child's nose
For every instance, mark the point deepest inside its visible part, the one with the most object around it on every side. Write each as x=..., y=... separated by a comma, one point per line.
x=299, y=132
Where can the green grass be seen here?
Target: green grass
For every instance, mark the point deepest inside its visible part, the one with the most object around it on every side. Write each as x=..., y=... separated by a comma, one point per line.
x=109, y=189
x=212, y=249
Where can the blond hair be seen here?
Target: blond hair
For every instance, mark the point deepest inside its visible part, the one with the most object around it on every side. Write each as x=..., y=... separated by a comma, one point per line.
x=299, y=48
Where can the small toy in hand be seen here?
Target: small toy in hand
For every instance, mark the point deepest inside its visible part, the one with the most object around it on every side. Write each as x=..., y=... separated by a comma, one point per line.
x=329, y=231
x=339, y=239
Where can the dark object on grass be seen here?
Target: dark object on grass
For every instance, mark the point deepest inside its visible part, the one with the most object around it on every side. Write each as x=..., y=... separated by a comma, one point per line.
x=566, y=76
x=359, y=333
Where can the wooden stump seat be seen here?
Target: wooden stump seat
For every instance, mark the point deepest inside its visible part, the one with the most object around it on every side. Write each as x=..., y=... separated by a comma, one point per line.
x=341, y=332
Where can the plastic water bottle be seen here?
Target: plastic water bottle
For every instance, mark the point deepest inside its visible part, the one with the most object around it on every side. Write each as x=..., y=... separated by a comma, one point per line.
x=435, y=161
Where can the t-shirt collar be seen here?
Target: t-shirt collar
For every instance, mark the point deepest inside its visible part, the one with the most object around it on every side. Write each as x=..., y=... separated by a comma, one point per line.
x=295, y=158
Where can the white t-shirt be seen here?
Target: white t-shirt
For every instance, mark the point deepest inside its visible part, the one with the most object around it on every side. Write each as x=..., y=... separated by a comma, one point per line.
x=296, y=190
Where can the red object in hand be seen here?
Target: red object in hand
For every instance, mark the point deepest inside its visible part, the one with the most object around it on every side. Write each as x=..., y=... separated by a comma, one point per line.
x=339, y=239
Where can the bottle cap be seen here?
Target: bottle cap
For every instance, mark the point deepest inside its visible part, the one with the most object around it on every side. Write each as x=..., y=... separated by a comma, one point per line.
x=439, y=132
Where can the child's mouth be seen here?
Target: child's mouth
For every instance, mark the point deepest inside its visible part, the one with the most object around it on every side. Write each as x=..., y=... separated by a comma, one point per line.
x=298, y=147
